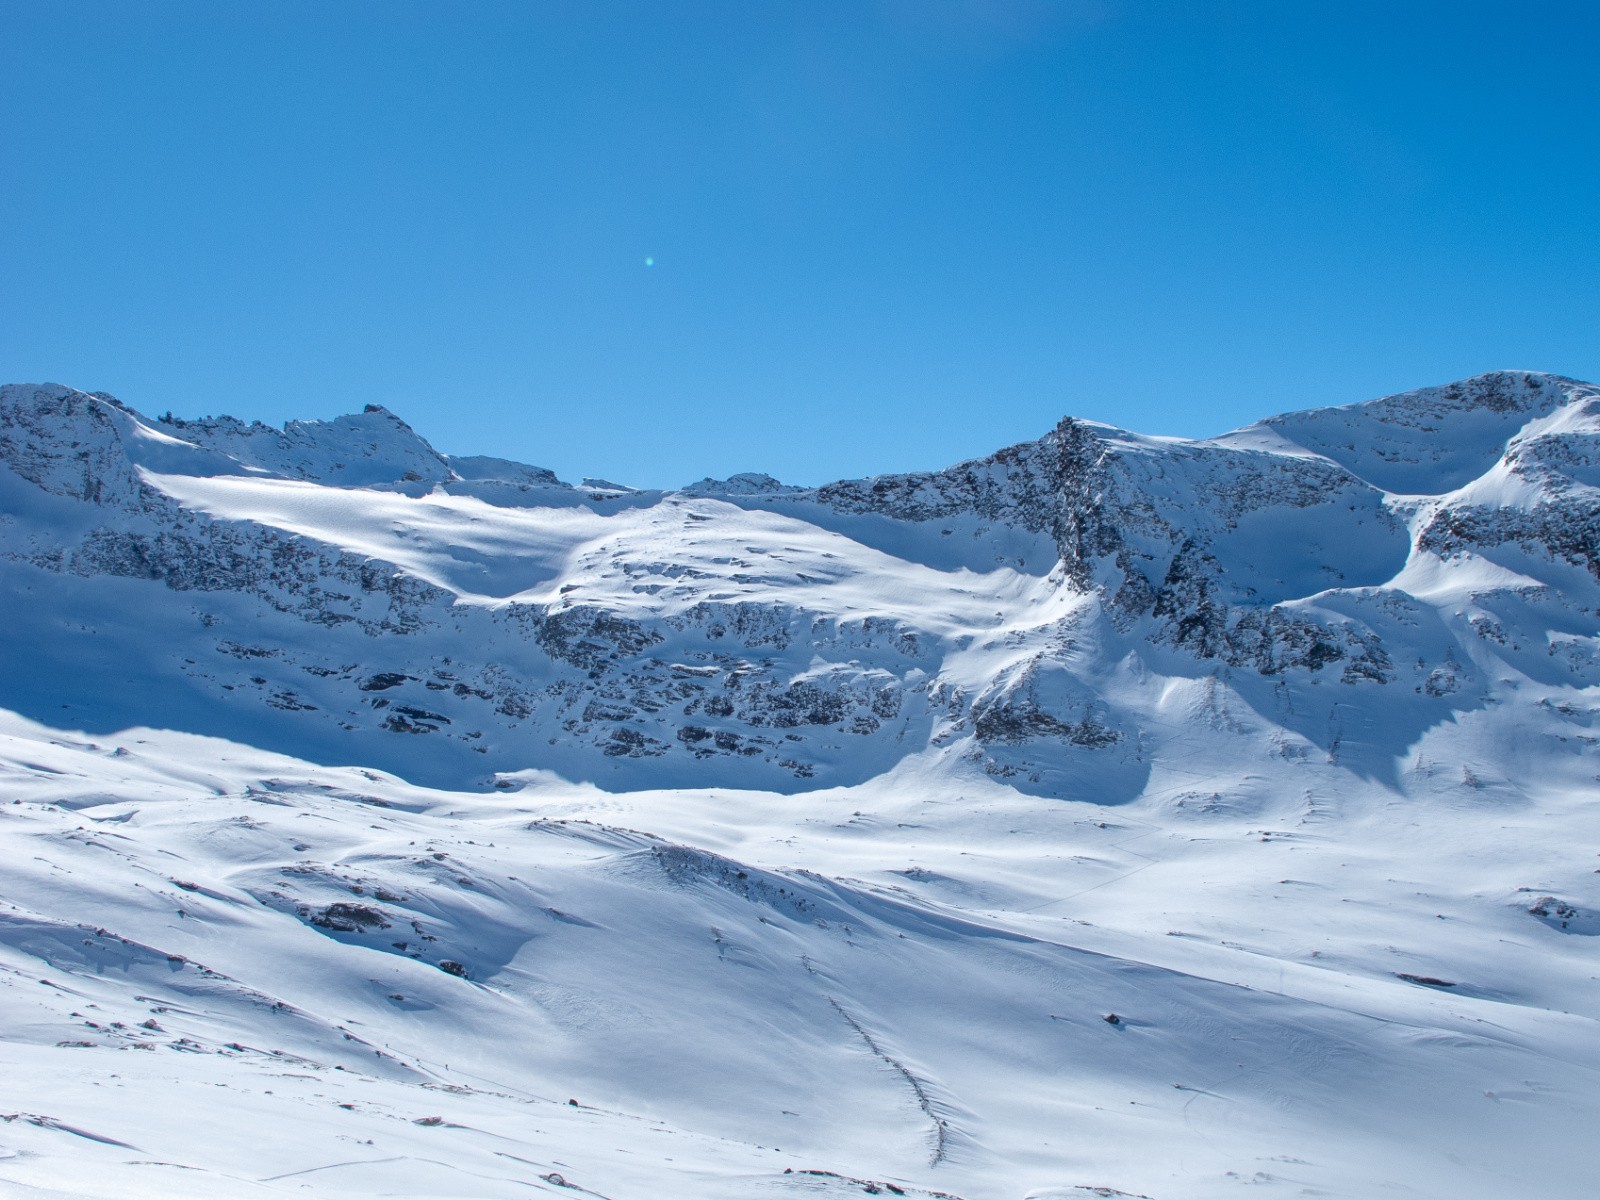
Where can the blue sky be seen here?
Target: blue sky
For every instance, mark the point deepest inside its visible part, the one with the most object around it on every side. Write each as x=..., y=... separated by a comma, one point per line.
x=654, y=241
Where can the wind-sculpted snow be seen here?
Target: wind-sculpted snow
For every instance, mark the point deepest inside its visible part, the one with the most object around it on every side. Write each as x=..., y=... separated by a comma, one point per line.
x=226, y=973
x=1112, y=815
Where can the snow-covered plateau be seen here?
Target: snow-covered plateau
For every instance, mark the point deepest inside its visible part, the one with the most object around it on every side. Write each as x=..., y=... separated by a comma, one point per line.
x=1112, y=816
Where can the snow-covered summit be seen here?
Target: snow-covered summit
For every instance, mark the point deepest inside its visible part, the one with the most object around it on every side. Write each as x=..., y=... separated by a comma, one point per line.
x=1427, y=441
x=370, y=448
x=746, y=483
x=359, y=450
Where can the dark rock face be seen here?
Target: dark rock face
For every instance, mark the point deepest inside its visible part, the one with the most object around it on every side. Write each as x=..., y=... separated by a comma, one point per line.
x=67, y=444
x=1568, y=532
x=1023, y=723
x=343, y=917
x=589, y=637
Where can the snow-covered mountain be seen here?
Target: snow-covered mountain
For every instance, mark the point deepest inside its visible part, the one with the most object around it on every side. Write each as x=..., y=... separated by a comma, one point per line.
x=804, y=829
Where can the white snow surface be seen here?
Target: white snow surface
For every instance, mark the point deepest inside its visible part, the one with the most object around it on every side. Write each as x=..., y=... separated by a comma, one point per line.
x=1112, y=816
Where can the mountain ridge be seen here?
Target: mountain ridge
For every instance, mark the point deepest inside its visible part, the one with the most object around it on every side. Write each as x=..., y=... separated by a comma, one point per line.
x=1500, y=392
x=1264, y=560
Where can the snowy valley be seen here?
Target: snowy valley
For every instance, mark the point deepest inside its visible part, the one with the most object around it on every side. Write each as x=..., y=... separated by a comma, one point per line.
x=1112, y=815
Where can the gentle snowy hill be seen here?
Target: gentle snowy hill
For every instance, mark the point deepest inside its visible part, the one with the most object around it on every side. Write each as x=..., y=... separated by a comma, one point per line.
x=806, y=837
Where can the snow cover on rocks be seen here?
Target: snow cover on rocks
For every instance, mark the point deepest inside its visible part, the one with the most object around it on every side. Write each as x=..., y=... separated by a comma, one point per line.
x=808, y=838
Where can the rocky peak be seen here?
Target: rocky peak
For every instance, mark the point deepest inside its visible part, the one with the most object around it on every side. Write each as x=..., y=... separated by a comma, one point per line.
x=1428, y=441
x=69, y=441
x=746, y=483
x=366, y=449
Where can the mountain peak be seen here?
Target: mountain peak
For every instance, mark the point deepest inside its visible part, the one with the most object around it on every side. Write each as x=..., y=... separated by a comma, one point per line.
x=745, y=483
x=1427, y=441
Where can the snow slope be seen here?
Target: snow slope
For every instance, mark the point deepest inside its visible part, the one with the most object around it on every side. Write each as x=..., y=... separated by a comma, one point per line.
x=363, y=806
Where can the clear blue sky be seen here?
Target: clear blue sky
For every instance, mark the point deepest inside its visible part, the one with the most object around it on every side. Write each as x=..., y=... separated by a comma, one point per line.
x=885, y=234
